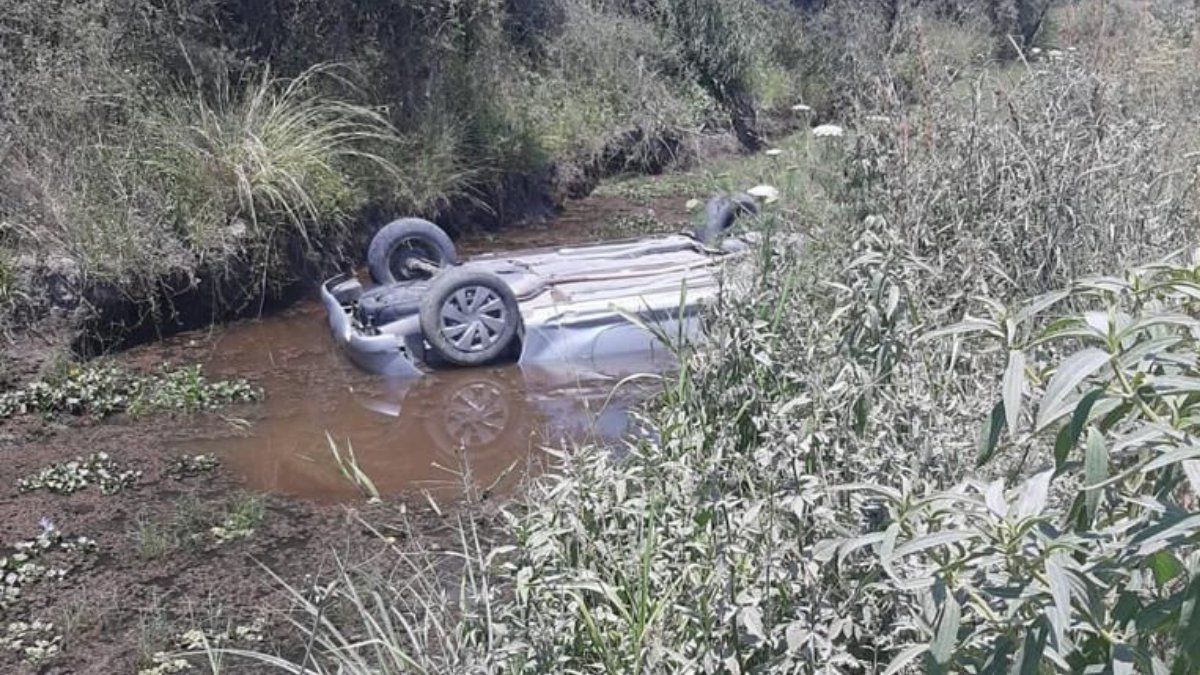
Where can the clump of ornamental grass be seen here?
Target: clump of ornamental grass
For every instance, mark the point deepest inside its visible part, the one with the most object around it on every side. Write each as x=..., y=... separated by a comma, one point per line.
x=240, y=164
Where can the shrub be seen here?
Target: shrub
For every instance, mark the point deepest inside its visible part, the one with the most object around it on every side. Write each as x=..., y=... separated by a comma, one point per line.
x=1021, y=187
x=710, y=35
x=607, y=74
x=1090, y=562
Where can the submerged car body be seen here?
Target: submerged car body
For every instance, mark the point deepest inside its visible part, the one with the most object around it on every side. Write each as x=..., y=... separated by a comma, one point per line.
x=572, y=303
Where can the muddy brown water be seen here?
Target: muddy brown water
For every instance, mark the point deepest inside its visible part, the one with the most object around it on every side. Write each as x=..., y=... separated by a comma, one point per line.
x=484, y=427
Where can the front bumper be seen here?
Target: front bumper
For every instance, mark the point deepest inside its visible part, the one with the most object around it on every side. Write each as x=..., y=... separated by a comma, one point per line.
x=380, y=353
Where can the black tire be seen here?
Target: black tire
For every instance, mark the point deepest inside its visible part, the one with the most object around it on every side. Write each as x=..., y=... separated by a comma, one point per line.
x=479, y=336
x=720, y=213
x=399, y=241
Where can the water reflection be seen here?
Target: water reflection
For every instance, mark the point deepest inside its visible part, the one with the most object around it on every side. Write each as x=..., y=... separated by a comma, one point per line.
x=482, y=425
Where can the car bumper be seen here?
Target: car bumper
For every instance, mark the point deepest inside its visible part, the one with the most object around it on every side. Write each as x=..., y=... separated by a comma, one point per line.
x=382, y=353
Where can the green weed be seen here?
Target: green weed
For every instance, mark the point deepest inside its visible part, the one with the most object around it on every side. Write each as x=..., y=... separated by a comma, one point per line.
x=101, y=389
x=187, y=466
x=184, y=527
x=96, y=469
x=242, y=515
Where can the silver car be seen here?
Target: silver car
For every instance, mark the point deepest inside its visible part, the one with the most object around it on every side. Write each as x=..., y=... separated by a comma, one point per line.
x=573, y=303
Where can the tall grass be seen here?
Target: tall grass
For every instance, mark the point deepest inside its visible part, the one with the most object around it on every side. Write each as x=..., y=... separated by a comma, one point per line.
x=607, y=75
x=270, y=154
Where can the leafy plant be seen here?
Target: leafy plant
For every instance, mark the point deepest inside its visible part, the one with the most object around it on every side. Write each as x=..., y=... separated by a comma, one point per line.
x=73, y=475
x=187, y=466
x=242, y=516
x=1105, y=397
x=101, y=389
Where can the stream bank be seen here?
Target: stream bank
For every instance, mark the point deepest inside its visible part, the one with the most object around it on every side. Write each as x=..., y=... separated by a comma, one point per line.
x=214, y=498
x=72, y=314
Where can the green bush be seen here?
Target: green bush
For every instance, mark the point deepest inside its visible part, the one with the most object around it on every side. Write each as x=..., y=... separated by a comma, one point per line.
x=605, y=75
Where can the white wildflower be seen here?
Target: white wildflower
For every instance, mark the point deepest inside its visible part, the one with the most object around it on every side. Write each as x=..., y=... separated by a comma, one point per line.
x=773, y=152
x=800, y=107
x=827, y=131
x=767, y=193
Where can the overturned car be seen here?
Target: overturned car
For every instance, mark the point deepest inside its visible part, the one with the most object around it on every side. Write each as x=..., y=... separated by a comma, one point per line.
x=572, y=303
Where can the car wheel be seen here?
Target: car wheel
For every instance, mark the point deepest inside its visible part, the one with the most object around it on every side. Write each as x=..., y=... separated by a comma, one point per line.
x=470, y=318
x=720, y=213
x=401, y=243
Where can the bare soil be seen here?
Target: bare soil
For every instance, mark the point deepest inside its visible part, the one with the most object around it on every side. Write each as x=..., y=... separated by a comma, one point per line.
x=119, y=605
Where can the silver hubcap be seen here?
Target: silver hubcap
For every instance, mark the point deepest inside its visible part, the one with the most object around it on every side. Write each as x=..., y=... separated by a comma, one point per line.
x=473, y=318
